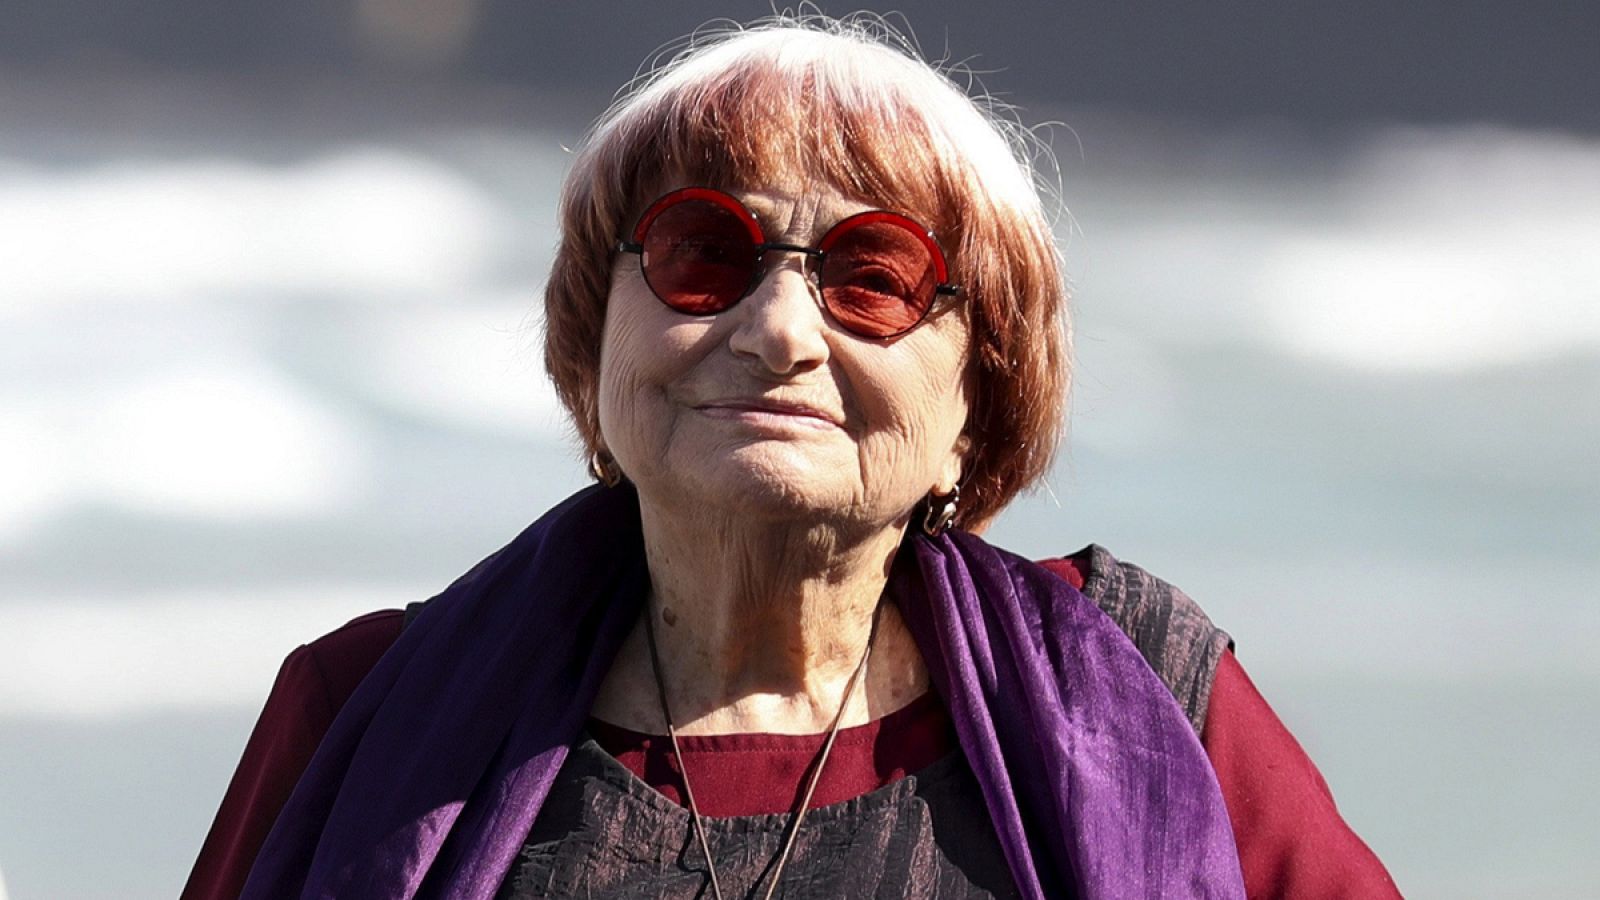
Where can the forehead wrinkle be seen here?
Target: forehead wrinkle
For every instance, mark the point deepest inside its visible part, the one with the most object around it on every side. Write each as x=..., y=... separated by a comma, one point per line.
x=801, y=218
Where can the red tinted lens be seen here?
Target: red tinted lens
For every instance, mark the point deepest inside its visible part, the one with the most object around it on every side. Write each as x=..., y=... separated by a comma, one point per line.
x=698, y=256
x=879, y=274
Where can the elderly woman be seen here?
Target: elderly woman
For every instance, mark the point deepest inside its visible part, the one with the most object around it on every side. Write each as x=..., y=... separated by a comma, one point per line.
x=806, y=315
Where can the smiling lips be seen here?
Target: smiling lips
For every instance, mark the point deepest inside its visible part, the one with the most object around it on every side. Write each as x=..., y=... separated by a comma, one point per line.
x=771, y=412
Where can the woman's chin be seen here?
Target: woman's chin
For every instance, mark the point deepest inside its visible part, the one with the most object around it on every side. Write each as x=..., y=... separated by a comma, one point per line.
x=758, y=484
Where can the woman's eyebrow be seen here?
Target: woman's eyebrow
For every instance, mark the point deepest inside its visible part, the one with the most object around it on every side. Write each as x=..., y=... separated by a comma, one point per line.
x=766, y=214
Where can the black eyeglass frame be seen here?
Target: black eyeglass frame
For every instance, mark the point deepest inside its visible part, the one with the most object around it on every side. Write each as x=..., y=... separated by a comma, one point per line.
x=761, y=247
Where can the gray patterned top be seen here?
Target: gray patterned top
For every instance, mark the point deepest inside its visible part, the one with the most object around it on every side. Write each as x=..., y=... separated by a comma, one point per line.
x=604, y=833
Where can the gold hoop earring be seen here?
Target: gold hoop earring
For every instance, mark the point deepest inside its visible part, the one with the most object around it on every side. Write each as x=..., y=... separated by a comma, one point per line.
x=604, y=468
x=941, y=512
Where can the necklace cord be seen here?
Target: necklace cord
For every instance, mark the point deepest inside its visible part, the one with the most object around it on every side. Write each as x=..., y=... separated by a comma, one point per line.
x=672, y=735
x=799, y=813
x=822, y=758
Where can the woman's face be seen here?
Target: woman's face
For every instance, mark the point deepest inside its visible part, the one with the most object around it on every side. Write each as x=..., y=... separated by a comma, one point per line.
x=770, y=409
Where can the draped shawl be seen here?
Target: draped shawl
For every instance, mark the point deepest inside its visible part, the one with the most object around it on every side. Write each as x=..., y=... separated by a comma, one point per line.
x=429, y=779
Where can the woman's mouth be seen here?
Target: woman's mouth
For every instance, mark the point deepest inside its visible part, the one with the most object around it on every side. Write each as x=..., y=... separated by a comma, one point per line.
x=771, y=413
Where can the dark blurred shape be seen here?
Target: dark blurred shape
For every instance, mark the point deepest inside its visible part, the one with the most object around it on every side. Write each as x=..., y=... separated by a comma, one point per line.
x=1428, y=61
x=183, y=34
x=419, y=34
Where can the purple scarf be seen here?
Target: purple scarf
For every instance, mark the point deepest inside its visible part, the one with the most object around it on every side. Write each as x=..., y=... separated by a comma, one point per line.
x=429, y=779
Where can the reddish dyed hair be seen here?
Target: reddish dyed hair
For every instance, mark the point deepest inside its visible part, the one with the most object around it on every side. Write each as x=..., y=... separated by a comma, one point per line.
x=848, y=102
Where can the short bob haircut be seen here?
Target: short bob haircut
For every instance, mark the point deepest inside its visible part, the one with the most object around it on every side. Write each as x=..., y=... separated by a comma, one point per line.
x=848, y=102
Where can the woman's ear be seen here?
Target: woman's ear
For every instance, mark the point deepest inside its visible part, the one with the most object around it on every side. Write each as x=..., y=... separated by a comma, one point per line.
x=950, y=475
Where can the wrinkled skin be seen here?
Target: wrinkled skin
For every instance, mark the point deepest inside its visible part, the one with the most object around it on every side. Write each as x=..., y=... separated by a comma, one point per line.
x=682, y=398
x=778, y=458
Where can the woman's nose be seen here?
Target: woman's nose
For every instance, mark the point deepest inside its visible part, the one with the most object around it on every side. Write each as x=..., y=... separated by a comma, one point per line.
x=781, y=325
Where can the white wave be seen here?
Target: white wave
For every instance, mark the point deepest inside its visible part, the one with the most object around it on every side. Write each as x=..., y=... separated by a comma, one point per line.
x=1433, y=250
x=375, y=223
x=86, y=657
x=224, y=438
x=230, y=442
x=1449, y=251
x=35, y=478
x=479, y=366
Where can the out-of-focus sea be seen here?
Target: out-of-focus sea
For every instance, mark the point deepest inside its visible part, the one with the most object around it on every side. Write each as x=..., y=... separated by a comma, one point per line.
x=1343, y=388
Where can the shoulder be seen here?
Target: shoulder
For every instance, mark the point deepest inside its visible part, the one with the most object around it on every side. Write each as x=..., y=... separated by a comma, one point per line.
x=312, y=686
x=333, y=665
x=357, y=644
x=1171, y=631
x=1292, y=840
x=318, y=677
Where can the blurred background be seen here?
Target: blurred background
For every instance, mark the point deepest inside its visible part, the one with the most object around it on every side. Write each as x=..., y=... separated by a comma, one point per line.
x=269, y=359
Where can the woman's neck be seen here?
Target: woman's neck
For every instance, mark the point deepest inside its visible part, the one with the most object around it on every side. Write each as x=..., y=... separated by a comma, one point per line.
x=759, y=629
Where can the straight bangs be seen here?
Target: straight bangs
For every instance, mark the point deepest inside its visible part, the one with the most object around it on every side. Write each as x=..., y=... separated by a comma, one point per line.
x=782, y=112
x=786, y=107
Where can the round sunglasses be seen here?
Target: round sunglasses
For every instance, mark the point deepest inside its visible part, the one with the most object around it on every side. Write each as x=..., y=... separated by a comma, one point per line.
x=701, y=252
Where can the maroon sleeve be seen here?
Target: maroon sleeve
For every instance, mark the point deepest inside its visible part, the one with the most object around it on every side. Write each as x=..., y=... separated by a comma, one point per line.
x=313, y=684
x=1292, y=841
